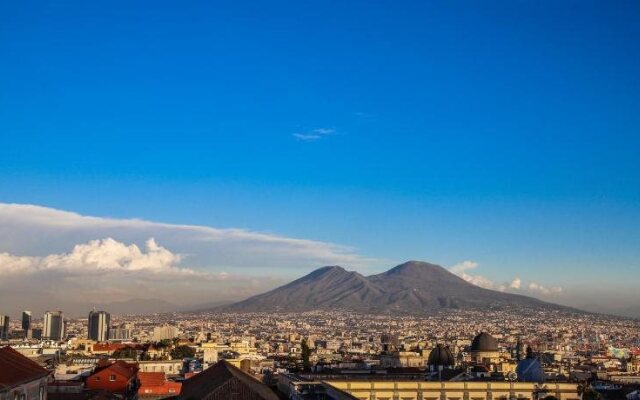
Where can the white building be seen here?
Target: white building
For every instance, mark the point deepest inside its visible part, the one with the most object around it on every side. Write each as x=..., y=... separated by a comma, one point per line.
x=53, y=328
x=165, y=332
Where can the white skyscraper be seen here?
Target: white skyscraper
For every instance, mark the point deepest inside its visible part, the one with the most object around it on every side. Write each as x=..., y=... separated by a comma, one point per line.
x=53, y=328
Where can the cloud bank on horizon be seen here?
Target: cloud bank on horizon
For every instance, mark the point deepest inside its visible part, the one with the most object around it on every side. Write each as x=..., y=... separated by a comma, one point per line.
x=55, y=257
x=535, y=289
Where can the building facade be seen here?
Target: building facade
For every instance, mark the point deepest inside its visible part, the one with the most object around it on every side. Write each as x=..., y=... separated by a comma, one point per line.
x=165, y=332
x=378, y=390
x=168, y=367
x=118, y=378
x=121, y=332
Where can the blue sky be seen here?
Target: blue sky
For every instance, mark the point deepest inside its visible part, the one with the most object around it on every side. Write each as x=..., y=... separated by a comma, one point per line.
x=506, y=133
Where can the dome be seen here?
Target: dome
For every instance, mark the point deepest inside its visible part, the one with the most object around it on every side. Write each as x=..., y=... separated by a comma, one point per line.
x=441, y=356
x=484, y=342
x=530, y=370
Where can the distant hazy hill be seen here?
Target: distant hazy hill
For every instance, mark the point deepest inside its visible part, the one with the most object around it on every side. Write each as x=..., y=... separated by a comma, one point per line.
x=135, y=306
x=413, y=287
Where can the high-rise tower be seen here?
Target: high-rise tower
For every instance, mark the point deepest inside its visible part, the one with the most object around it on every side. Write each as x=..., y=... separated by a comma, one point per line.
x=53, y=328
x=26, y=320
x=4, y=327
x=99, y=323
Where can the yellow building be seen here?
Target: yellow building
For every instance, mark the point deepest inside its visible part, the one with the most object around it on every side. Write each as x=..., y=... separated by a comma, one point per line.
x=411, y=390
x=403, y=359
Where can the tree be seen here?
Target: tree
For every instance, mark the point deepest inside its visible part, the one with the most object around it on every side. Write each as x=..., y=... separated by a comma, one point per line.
x=181, y=352
x=164, y=343
x=590, y=394
x=306, y=353
x=127, y=352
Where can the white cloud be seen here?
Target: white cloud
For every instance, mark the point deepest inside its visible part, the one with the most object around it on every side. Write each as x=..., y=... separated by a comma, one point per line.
x=313, y=135
x=34, y=230
x=463, y=269
x=54, y=257
x=105, y=256
x=516, y=283
x=536, y=288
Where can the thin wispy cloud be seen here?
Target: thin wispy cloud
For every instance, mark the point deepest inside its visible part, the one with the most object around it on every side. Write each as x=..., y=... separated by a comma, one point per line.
x=314, y=135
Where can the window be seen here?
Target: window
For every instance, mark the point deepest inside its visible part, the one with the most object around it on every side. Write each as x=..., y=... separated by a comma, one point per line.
x=97, y=378
x=112, y=378
x=172, y=390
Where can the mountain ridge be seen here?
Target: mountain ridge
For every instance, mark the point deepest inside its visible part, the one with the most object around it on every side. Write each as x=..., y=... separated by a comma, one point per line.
x=413, y=287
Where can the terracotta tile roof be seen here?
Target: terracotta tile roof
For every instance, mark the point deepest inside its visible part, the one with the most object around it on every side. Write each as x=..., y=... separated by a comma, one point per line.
x=120, y=367
x=210, y=380
x=151, y=378
x=155, y=383
x=16, y=368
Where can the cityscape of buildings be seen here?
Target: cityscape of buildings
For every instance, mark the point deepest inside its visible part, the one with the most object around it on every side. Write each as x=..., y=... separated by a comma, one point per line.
x=331, y=355
x=319, y=200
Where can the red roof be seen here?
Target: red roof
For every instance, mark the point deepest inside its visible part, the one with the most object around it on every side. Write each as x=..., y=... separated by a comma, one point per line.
x=155, y=383
x=16, y=368
x=123, y=368
x=151, y=378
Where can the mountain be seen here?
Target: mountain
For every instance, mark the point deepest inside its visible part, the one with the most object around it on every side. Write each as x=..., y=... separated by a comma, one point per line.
x=327, y=287
x=413, y=287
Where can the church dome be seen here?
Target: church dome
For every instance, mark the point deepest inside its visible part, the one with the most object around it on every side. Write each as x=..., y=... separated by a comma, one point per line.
x=484, y=343
x=441, y=356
